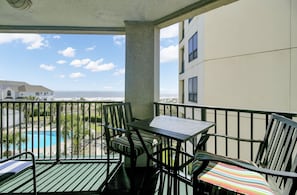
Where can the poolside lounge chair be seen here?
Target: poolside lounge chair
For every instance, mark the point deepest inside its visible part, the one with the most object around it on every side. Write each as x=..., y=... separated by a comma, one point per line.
x=14, y=165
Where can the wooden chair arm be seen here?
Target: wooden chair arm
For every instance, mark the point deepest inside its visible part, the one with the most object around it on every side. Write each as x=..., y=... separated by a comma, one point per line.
x=206, y=157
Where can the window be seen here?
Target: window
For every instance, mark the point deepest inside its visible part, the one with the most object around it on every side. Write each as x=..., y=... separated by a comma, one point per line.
x=8, y=93
x=193, y=88
x=193, y=42
x=182, y=65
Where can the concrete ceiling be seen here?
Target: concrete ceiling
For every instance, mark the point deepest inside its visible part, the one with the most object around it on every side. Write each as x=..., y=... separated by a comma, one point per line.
x=98, y=16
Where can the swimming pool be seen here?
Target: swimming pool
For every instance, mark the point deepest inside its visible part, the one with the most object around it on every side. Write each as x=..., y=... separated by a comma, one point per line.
x=46, y=139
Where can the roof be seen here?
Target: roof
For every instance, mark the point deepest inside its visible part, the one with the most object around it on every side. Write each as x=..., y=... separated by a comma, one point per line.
x=23, y=86
x=33, y=88
x=98, y=16
x=11, y=84
x=17, y=83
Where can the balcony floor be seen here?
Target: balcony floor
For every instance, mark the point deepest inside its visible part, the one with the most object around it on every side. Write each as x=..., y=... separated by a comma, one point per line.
x=145, y=182
x=87, y=177
x=148, y=182
x=62, y=178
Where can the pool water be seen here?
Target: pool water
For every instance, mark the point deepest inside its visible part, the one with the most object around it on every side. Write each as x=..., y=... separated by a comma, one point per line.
x=45, y=139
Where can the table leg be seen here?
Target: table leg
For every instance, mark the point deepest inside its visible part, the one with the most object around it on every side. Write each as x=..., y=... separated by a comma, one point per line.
x=176, y=165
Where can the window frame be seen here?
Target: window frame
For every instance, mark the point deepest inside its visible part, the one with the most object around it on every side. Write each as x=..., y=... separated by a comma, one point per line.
x=193, y=89
x=193, y=47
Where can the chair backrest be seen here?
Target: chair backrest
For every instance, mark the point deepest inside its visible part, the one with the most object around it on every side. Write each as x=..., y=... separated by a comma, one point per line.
x=116, y=117
x=278, y=150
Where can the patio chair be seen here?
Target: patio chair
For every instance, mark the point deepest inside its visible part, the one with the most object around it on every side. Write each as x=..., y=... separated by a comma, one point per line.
x=273, y=172
x=14, y=165
x=121, y=139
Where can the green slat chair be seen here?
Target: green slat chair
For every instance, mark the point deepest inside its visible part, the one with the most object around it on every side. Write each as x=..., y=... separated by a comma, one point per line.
x=273, y=172
x=10, y=167
x=119, y=138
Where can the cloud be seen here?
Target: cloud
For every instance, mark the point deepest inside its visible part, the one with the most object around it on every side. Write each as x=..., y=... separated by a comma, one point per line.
x=93, y=66
x=57, y=37
x=119, y=72
x=119, y=39
x=61, y=62
x=96, y=66
x=32, y=41
x=47, y=67
x=169, y=54
x=79, y=63
x=91, y=48
x=68, y=52
x=62, y=76
x=75, y=75
x=169, y=32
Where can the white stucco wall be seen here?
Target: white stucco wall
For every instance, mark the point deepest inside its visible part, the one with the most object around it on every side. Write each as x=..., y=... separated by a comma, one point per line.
x=250, y=56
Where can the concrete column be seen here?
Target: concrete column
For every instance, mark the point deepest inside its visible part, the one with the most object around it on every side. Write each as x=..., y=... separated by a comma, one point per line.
x=142, y=67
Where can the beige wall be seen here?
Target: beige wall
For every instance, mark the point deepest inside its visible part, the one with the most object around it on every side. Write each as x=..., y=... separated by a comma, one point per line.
x=255, y=81
x=250, y=55
x=294, y=79
x=247, y=26
x=294, y=55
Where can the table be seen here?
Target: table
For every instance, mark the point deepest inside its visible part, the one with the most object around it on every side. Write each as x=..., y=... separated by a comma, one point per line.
x=178, y=129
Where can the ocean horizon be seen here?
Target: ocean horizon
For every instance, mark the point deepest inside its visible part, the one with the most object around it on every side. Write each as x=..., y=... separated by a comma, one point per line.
x=99, y=95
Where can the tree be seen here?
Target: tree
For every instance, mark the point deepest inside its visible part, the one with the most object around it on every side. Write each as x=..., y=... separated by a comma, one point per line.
x=72, y=127
x=9, y=139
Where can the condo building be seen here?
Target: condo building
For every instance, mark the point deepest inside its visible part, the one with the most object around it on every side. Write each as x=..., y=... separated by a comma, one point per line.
x=12, y=90
x=243, y=55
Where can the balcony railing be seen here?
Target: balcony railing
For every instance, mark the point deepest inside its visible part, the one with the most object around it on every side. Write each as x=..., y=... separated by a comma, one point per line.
x=52, y=130
x=72, y=130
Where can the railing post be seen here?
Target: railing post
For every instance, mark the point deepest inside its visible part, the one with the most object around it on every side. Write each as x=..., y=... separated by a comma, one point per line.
x=58, y=132
x=157, y=109
x=203, y=114
x=1, y=127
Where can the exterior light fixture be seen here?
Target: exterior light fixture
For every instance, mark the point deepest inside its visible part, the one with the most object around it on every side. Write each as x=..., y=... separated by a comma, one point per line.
x=20, y=4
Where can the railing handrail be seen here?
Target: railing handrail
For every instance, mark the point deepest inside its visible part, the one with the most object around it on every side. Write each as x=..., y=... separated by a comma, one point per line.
x=59, y=101
x=245, y=110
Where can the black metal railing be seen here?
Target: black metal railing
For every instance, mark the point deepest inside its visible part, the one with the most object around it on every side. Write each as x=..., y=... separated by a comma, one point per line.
x=52, y=130
x=239, y=123
x=70, y=130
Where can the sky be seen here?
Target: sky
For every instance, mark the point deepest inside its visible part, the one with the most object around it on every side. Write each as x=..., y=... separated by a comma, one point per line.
x=67, y=62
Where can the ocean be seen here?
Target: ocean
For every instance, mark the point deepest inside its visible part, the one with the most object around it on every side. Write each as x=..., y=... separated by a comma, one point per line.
x=99, y=95
x=89, y=95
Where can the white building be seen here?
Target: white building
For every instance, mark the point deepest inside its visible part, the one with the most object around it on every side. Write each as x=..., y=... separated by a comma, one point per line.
x=12, y=121
x=20, y=90
x=243, y=55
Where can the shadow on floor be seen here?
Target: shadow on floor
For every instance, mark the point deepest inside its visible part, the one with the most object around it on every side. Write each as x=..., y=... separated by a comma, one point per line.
x=145, y=182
